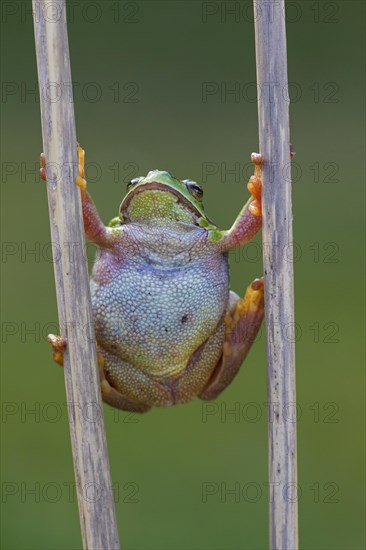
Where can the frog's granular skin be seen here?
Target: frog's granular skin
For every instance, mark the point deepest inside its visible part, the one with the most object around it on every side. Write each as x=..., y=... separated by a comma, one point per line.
x=167, y=325
x=154, y=309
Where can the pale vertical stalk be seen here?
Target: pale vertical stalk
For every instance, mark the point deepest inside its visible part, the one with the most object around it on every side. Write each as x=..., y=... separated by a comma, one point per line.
x=89, y=447
x=273, y=111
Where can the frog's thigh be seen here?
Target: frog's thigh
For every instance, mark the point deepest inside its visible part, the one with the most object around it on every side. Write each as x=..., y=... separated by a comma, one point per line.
x=129, y=385
x=199, y=368
x=242, y=325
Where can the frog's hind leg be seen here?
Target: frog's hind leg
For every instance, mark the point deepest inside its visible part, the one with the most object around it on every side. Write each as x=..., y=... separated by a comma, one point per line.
x=113, y=397
x=199, y=368
x=242, y=325
x=109, y=394
x=123, y=381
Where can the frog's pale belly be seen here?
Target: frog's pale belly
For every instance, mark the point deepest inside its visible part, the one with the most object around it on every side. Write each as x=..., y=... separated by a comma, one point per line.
x=155, y=317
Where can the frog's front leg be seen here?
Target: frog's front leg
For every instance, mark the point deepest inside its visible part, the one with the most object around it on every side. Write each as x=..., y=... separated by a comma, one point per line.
x=95, y=230
x=249, y=220
x=242, y=325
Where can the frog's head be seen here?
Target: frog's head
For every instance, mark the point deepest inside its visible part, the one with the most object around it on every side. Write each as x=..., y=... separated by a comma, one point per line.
x=160, y=196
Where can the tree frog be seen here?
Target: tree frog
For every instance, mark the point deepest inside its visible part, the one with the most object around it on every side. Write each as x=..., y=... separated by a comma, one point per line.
x=167, y=325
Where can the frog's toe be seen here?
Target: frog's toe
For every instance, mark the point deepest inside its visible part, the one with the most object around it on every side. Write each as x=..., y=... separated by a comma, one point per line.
x=80, y=182
x=81, y=160
x=80, y=179
x=42, y=170
x=256, y=159
x=58, y=345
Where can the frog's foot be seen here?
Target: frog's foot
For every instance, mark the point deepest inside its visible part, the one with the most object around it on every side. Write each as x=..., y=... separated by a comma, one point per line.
x=255, y=186
x=80, y=181
x=255, y=182
x=58, y=345
x=242, y=322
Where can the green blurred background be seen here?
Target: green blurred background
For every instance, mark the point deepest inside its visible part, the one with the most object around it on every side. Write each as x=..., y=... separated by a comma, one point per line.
x=140, y=71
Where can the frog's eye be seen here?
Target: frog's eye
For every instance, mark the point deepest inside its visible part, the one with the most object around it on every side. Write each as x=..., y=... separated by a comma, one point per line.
x=132, y=183
x=194, y=189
